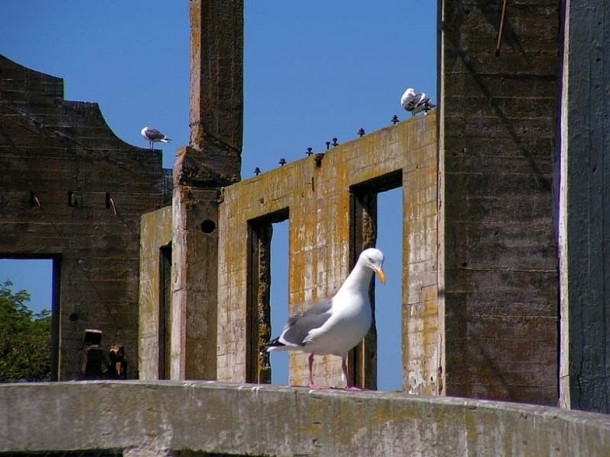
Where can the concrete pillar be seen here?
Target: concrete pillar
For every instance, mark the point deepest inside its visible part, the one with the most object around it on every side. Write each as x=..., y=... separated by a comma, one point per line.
x=584, y=214
x=194, y=283
x=497, y=250
x=216, y=115
x=212, y=160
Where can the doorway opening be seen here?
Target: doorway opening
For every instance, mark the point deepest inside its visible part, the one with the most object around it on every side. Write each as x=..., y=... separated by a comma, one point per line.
x=165, y=286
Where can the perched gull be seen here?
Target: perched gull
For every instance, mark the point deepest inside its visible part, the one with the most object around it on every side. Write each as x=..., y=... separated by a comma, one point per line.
x=154, y=136
x=415, y=103
x=336, y=325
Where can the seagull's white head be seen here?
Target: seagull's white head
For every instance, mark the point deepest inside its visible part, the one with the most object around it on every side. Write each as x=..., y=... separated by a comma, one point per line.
x=410, y=92
x=373, y=258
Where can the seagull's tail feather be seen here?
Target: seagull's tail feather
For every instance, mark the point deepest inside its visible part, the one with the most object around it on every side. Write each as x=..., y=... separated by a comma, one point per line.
x=165, y=140
x=275, y=345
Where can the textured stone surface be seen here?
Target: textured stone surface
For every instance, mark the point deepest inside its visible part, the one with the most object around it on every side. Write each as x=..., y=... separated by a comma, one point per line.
x=62, y=171
x=164, y=418
x=498, y=254
x=216, y=115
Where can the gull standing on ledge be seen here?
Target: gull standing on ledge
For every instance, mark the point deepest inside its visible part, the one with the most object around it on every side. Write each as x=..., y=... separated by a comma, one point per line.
x=337, y=325
x=154, y=136
x=415, y=103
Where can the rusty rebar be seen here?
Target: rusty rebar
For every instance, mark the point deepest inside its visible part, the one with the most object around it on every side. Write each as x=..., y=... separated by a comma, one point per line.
x=501, y=29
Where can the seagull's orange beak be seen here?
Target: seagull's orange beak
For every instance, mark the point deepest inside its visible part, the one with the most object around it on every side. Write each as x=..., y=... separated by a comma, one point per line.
x=381, y=275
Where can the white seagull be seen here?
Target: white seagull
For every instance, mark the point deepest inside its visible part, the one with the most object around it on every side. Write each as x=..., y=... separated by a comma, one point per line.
x=337, y=325
x=153, y=136
x=415, y=103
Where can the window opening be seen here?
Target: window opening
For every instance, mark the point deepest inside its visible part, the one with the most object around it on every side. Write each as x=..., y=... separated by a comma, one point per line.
x=364, y=361
x=258, y=314
x=279, y=360
x=40, y=278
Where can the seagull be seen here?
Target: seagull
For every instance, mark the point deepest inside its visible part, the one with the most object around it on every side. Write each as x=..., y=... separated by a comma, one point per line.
x=154, y=136
x=415, y=103
x=336, y=325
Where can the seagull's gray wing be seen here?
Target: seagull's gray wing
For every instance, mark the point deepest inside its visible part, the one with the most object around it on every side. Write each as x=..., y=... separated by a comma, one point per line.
x=412, y=102
x=154, y=134
x=298, y=327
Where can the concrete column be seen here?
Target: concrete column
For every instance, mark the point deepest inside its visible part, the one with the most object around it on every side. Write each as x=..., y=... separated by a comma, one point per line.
x=497, y=249
x=194, y=283
x=212, y=160
x=216, y=115
x=584, y=222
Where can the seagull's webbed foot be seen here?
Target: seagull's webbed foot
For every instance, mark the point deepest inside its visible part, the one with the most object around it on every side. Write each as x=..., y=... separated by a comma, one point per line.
x=354, y=389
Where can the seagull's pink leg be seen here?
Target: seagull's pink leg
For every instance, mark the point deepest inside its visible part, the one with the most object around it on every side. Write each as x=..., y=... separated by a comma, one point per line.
x=312, y=385
x=350, y=385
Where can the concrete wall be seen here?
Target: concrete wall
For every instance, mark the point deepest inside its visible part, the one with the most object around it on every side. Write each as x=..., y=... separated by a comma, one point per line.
x=498, y=255
x=172, y=418
x=62, y=171
x=314, y=193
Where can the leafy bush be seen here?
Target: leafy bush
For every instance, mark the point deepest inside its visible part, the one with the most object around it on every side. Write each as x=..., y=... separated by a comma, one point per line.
x=25, y=338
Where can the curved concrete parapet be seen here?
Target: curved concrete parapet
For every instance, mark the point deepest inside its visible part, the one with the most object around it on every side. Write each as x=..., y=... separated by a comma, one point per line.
x=169, y=417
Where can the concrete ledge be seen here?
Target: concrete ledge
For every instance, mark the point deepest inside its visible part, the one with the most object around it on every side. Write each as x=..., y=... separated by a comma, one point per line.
x=164, y=417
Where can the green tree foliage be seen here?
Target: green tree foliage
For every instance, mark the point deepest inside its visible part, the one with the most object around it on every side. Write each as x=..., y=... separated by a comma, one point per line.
x=25, y=338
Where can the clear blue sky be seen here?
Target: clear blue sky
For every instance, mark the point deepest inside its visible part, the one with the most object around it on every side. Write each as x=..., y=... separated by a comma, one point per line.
x=313, y=71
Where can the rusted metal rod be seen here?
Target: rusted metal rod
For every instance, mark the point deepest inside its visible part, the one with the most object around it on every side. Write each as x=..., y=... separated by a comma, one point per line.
x=499, y=41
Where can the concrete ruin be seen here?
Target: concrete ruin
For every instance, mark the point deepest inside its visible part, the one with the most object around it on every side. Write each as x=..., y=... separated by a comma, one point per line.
x=478, y=291
x=73, y=192
x=504, y=210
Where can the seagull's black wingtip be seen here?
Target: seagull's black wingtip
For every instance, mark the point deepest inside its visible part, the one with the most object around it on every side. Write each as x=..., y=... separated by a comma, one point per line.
x=273, y=343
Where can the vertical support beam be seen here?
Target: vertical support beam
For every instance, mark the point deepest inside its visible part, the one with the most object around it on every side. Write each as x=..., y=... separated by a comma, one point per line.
x=216, y=115
x=584, y=215
x=212, y=161
x=362, y=360
x=258, y=314
x=194, y=283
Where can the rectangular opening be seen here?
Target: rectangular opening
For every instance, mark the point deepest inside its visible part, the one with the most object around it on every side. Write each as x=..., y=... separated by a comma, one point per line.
x=365, y=360
x=165, y=284
x=388, y=298
x=362, y=362
x=40, y=277
x=279, y=298
x=258, y=296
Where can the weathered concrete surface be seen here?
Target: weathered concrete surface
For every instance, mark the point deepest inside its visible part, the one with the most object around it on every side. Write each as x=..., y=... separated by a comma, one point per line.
x=316, y=194
x=498, y=257
x=74, y=192
x=216, y=113
x=194, y=302
x=155, y=233
x=158, y=418
x=585, y=208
